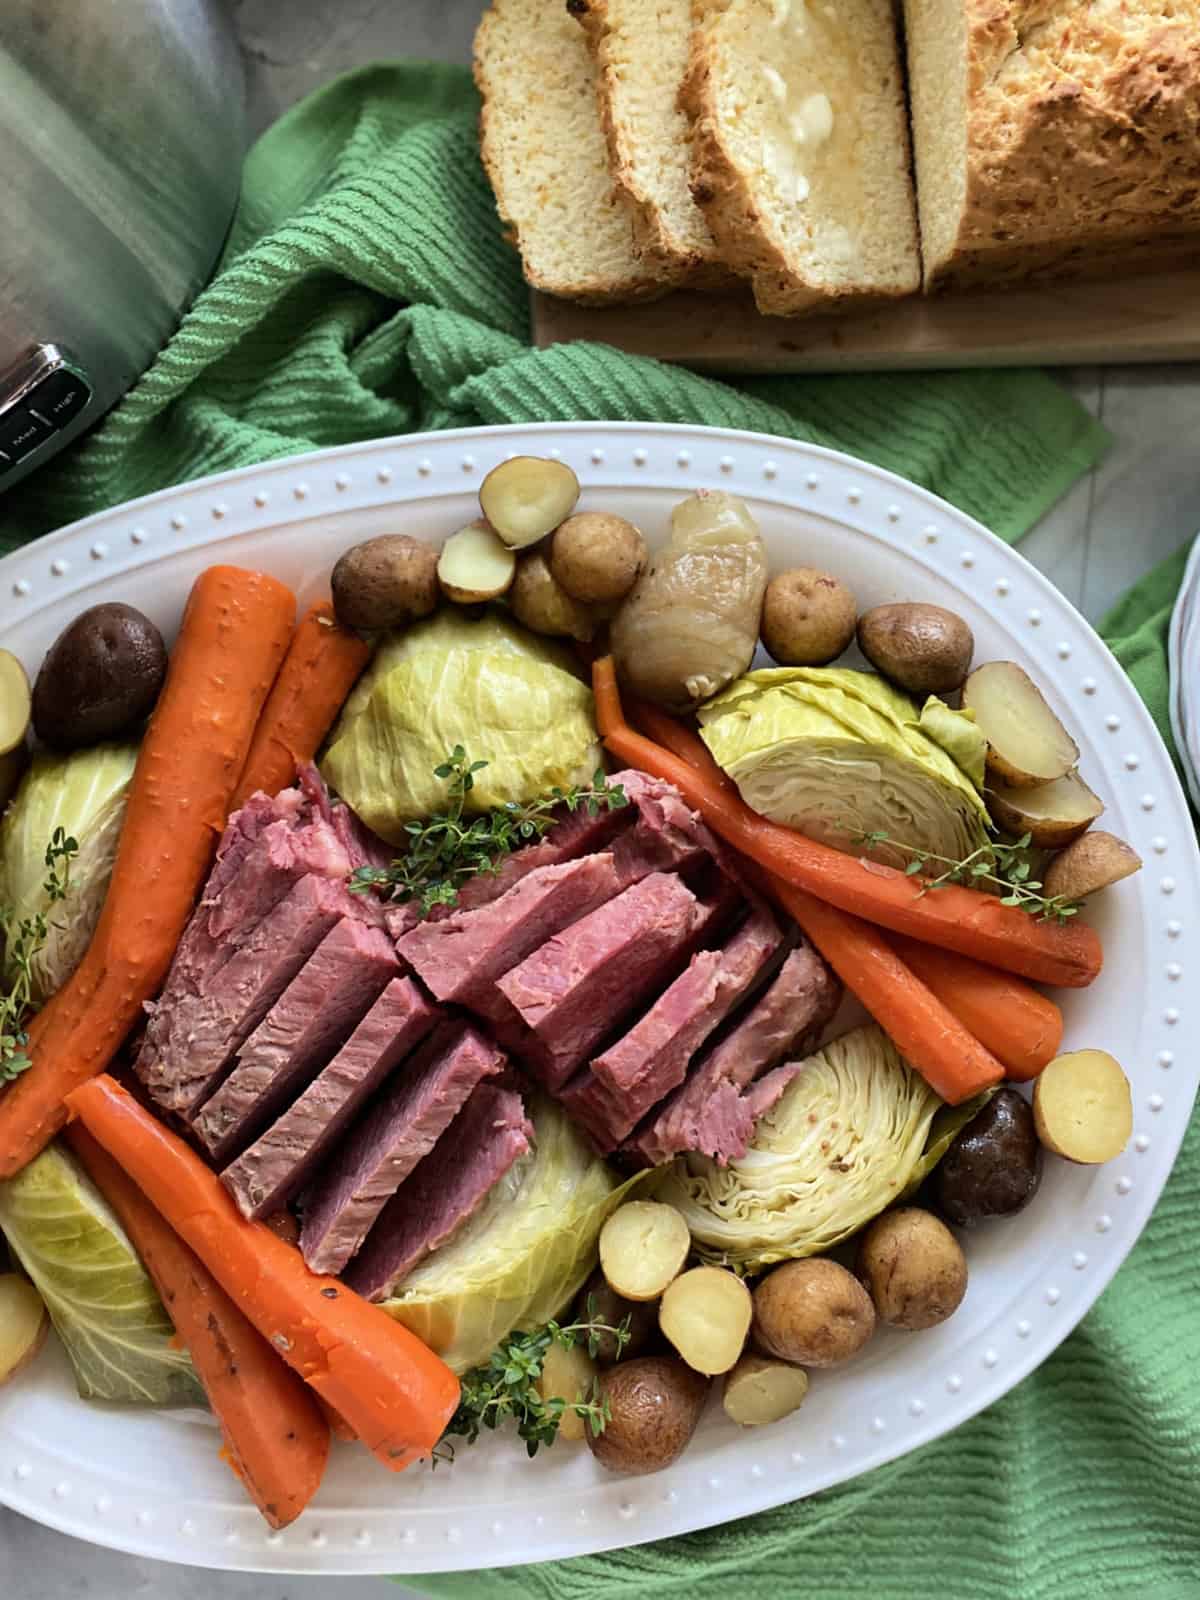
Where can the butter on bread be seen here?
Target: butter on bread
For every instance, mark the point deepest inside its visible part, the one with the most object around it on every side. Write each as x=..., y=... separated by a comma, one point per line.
x=800, y=151
x=1054, y=138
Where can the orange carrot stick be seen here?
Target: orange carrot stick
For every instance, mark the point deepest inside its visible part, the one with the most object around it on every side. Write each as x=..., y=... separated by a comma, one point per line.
x=321, y=667
x=953, y=917
x=235, y=630
x=1022, y=1028
x=677, y=737
x=275, y=1436
x=391, y=1389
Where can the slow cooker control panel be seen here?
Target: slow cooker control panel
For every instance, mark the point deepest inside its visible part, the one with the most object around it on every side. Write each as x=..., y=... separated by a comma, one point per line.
x=41, y=394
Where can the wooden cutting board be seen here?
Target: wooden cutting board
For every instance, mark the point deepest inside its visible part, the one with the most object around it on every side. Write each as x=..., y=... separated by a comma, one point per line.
x=1151, y=318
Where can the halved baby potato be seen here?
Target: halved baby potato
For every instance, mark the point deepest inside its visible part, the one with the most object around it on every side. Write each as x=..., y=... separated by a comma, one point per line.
x=643, y=1247
x=760, y=1389
x=23, y=1324
x=1027, y=744
x=527, y=497
x=1052, y=814
x=16, y=702
x=568, y=1374
x=1082, y=1107
x=475, y=565
x=706, y=1315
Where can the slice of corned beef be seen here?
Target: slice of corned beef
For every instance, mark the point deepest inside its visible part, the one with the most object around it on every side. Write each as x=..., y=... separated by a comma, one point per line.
x=199, y=1033
x=277, y=1164
x=387, y=1144
x=575, y=989
x=667, y=835
x=364, y=848
x=483, y=1142
x=709, y=1113
x=611, y=1097
x=766, y=1094
x=459, y=955
x=268, y=847
x=313, y=1016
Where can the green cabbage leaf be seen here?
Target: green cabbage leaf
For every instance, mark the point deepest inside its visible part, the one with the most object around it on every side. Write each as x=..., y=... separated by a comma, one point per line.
x=504, y=695
x=100, y=1298
x=523, y=1256
x=841, y=755
x=842, y=1143
x=84, y=794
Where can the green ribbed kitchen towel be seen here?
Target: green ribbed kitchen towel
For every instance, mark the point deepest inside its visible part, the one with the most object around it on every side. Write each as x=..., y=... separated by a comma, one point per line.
x=366, y=290
x=1082, y=1483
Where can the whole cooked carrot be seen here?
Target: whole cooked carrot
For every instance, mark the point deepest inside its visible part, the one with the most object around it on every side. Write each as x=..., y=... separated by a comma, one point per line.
x=322, y=665
x=276, y=1438
x=677, y=737
x=235, y=630
x=391, y=1389
x=1022, y=1028
x=953, y=917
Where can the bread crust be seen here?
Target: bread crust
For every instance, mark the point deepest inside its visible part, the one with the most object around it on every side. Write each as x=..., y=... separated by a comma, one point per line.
x=658, y=246
x=1071, y=173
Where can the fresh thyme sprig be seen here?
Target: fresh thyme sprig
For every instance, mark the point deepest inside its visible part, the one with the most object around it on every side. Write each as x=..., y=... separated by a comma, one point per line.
x=507, y=1386
x=23, y=941
x=1002, y=866
x=446, y=849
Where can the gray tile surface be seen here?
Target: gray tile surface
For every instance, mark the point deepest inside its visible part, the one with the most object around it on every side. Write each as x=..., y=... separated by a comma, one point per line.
x=1135, y=509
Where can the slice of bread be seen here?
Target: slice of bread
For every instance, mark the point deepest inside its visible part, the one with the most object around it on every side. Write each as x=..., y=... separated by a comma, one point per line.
x=800, y=155
x=1054, y=139
x=641, y=50
x=543, y=149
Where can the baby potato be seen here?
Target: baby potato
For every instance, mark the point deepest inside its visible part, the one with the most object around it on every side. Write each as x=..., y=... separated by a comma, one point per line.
x=526, y=498
x=691, y=623
x=539, y=602
x=1027, y=744
x=600, y=1302
x=655, y=1404
x=922, y=649
x=643, y=1246
x=1090, y=864
x=993, y=1167
x=596, y=557
x=808, y=617
x=706, y=1315
x=16, y=703
x=475, y=565
x=568, y=1374
x=913, y=1267
x=812, y=1312
x=385, y=582
x=1082, y=1108
x=23, y=1324
x=1052, y=814
x=761, y=1390
x=100, y=677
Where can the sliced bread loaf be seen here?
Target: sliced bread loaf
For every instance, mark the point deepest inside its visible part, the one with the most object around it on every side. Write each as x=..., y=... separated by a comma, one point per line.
x=543, y=149
x=800, y=158
x=1052, y=138
x=641, y=50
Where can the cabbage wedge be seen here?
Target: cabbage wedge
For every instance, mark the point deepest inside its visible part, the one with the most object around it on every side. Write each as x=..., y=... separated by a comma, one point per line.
x=507, y=697
x=523, y=1256
x=843, y=1142
x=840, y=755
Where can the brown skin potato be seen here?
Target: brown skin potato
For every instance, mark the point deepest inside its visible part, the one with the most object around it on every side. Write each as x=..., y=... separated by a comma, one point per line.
x=599, y=1301
x=922, y=649
x=100, y=679
x=656, y=1403
x=808, y=618
x=993, y=1168
x=570, y=1375
x=385, y=582
x=539, y=602
x=596, y=557
x=1089, y=865
x=913, y=1267
x=812, y=1313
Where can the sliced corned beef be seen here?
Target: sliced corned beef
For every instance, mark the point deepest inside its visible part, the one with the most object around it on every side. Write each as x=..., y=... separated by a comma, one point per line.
x=574, y=990
x=364, y=848
x=459, y=955
x=278, y=1163
x=766, y=1093
x=709, y=1112
x=313, y=1016
x=485, y=1139
x=611, y=1097
x=391, y=1139
x=666, y=836
x=200, y=1032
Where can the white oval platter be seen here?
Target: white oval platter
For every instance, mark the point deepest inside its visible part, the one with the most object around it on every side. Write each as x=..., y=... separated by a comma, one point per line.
x=153, y=1484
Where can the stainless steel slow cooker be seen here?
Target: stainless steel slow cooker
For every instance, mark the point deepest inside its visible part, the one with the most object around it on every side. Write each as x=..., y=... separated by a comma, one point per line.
x=121, y=127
